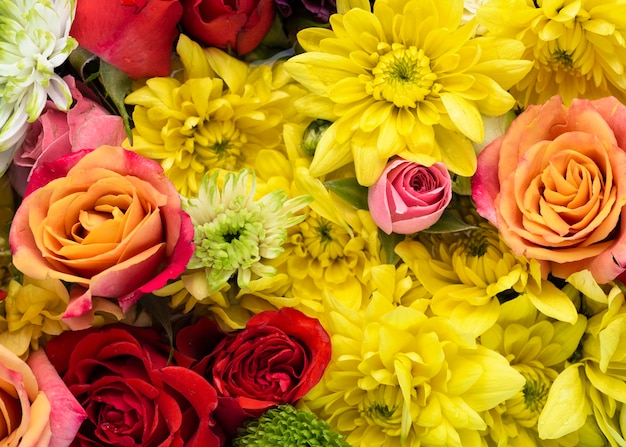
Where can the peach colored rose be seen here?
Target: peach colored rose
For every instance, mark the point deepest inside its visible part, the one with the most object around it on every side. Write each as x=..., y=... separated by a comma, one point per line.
x=107, y=220
x=409, y=197
x=38, y=409
x=554, y=186
x=56, y=133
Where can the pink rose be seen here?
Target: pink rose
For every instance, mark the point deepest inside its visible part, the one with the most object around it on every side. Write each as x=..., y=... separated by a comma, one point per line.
x=136, y=36
x=107, y=220
x=409, y=197
x=554, y=186
x=37, y=407
x=56, y=133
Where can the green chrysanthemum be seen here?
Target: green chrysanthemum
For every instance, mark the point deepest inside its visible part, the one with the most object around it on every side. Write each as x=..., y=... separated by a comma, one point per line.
x=285, y=426
x=235, y=234
x=406, y=78
x=34, y=41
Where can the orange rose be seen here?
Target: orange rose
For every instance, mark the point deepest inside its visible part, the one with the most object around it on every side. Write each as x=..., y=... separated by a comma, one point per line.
x=554, y=186
x=107, y=220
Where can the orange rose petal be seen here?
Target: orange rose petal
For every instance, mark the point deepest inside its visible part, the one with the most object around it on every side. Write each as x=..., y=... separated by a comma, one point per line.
x=143, y=236
x=36, y=429
x=128, y=275
x=584, y=117
x=91, y=259
x=531, y=127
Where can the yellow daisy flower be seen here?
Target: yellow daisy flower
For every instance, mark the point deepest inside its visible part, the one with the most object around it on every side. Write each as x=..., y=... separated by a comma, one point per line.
x=219, y=115
x=399, y=378
x=405, y=78
x=577, y=47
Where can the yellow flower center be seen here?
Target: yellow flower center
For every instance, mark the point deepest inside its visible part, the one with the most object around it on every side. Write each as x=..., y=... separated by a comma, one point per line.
x=323, y=239
x=563, y=60
x=526, y=406
x=403, y=77
x=219, y=144
x=383, y=407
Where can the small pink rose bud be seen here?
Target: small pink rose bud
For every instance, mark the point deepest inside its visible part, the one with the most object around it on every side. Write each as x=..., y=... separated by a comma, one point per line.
x=409, y=197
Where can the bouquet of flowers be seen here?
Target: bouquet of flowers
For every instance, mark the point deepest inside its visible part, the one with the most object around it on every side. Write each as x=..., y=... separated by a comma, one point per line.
x=349, y=223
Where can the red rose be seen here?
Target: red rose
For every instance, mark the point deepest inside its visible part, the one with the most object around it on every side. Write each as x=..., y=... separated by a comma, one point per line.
x=240, y=25
x=132, y=395
x=136, y=36
x=278, y=358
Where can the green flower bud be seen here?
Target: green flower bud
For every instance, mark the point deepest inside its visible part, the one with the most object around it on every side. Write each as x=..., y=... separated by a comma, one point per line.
x=313, y=134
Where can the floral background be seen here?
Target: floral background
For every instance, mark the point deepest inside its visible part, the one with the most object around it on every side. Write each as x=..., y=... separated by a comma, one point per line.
x=344, y=223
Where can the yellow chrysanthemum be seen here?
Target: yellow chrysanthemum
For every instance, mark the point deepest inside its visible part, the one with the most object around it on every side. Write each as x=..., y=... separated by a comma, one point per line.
x=577, y=47
x=31, y=312
x=404, y=79
x=399, y=378
x=219, y=115
x=594, y=382
x=333, y=249
x=230, y=307
x=537, y=348
x=468, y=273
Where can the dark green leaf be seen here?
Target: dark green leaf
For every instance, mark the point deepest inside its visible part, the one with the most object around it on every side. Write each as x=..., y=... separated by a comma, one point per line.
x=158, y=308
x=349, y=190
x=117, y=84
x=449, y=223
x=389, y=242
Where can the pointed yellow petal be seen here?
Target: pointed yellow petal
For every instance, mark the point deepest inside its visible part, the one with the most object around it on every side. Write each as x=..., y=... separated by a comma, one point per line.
x=566, y=408
x=193, y=58
x=329, y=155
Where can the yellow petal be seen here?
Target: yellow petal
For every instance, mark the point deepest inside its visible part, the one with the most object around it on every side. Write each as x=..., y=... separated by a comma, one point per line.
x=552, y=301
x=465, y=116
x=193, y=58
x=566, y=408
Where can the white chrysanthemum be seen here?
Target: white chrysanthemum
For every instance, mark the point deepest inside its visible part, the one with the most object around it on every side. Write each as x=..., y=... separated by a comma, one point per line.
x=234, y=233
x=34, y=41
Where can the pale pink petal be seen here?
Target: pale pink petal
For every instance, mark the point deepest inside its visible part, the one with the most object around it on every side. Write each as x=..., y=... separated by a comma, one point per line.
x=66, y=415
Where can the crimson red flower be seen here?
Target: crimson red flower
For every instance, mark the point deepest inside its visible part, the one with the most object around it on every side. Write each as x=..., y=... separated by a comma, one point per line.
x=278, y=358
x=135, y=36
x=132, y=395
x=239, y=25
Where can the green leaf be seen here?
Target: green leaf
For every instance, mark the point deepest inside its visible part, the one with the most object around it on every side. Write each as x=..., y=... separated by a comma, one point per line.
x=388, y=243
x=449, y=223
x=350, y=190
x=117, y=84
x=157, y=307
x=83, y=62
